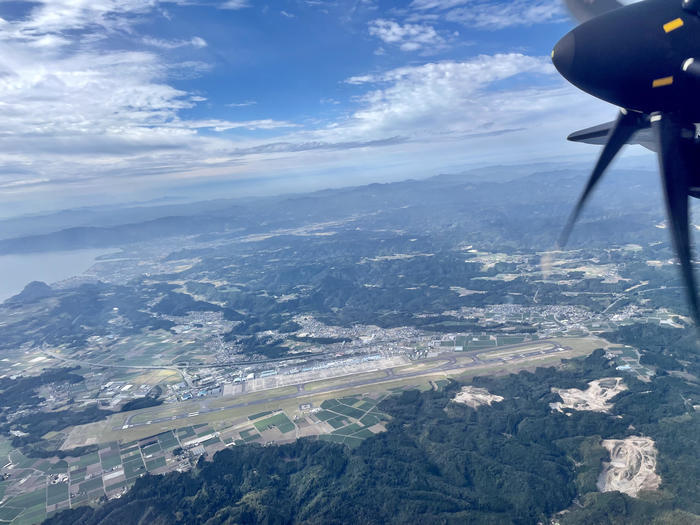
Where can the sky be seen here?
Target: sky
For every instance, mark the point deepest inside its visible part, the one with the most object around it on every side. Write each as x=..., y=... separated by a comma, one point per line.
x=107, y=101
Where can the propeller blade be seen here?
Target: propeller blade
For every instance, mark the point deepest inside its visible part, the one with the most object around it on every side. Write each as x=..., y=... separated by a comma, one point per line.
x=676, y=164
x=626, y=125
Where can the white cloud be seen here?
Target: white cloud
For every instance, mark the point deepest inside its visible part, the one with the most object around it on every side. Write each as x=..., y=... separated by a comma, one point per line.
x=56, y=16
x=118, y=96
x=235, y=4
x=437, y=4
x=489, y=15
x=287, y=15
x=409, y=37
x=242, y=104
x=224, y=125
x=79, y=114
x=196, y=41
x=493, y=14
x=75, y=110
x=442, y=97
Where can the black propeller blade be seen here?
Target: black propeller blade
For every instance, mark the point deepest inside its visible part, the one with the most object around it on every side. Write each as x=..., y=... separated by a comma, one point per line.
x=626, y=125
x=675, y=163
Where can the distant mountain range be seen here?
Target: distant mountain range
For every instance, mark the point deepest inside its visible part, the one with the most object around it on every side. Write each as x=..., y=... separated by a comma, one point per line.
x=495, y=198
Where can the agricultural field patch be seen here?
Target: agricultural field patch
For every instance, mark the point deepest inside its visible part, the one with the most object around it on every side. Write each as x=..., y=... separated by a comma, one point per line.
x=151, y=449
x=56, y=493
x=337, y=422
x=155, y=464
x=281, y=421
x=109, y=462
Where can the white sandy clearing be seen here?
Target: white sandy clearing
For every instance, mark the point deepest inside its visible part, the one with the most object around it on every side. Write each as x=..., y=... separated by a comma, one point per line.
x=463, y=292
x=594, y=398
x=474, y=397
x=632, y=466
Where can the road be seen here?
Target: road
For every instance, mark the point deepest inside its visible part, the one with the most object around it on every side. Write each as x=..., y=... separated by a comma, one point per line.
x=80, y=362
x=391, y=375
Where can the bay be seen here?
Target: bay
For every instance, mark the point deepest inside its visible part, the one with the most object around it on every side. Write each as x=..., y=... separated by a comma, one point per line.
x=16, y=271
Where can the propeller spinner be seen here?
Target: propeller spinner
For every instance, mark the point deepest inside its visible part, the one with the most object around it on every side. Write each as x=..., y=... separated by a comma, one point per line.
x=641, y=58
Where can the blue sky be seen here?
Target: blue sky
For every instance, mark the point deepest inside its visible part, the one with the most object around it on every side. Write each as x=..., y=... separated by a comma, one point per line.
x=116, y=100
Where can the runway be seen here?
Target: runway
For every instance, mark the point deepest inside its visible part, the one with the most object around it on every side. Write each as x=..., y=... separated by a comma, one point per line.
x=452, y=364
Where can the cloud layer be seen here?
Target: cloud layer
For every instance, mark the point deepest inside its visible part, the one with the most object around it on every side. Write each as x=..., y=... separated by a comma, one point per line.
x=89, y=101
x=491, y=14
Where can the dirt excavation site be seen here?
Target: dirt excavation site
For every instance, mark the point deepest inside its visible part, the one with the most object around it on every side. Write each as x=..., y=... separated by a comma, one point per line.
x=594, y=398
x=632, y=466
x=474, y=397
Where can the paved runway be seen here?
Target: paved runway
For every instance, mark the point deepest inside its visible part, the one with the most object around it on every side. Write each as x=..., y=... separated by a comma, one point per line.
x=450, y=365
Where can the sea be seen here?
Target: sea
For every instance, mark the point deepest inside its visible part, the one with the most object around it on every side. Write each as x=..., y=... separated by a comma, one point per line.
x=16, y=271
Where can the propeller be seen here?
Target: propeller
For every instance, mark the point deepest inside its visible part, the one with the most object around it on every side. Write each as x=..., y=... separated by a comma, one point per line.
x=633, y=71
x=676, y=161
x=627, y=124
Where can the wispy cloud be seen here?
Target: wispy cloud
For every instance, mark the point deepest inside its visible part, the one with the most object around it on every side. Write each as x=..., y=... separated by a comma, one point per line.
x=225, y=125
x=492, y=14
x=235, y=4
x=88, y=100
x=445, y=96
x=71, y=104
x=241, y=104
x=174, y=44
x=55, y=16
x=408, y=37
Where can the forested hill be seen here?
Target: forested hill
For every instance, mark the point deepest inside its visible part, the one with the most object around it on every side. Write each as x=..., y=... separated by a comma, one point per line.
x=482, y=209
x=516, y=461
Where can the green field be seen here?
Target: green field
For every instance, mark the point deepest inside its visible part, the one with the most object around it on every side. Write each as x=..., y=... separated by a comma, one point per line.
x=9, y=513
x=151, y=449
x=167, y=440
x=60, y=467
x=185, y=432
x=118, y=485
x=281, y=421
x=337, y=422
x=20, y=460
x=510, y=339
x=78, y=475
x=5, y=448
x=366, y=406
x=352, y=412
x=111, y=461
x=89, y=459
x=56, y=493
x=30, y=499
x=134, y=468
x=129, y=450
x=369, y=419
x=211, y=441
x=325, y=415
x=155, y=463
x=90, y=485
x=31, y=516
x=259, y=415
x=348, y=430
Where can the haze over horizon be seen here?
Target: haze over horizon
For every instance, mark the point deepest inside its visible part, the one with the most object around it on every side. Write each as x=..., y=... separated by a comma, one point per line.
x=119, y=101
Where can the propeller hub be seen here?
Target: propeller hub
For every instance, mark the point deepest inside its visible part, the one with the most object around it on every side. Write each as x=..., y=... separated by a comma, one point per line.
x=633, y=56
x=563, y=54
